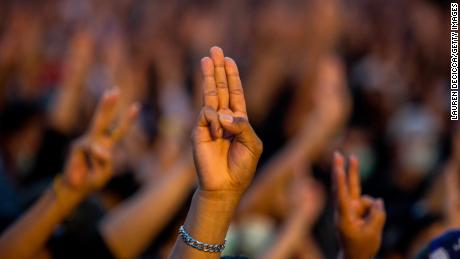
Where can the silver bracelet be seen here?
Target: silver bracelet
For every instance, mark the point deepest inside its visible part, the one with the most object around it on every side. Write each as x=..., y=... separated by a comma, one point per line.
x=189, y=240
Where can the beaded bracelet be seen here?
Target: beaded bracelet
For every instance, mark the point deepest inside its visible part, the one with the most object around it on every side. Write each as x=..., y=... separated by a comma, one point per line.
x=189, y=240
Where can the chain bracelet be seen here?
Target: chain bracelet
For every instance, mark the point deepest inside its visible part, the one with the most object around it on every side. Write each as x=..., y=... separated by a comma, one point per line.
x=189, y=240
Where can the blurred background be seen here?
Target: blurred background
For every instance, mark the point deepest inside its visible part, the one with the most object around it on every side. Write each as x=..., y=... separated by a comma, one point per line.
x=368, y=77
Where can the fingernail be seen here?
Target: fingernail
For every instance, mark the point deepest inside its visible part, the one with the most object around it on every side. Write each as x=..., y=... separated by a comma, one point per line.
x=226, y=118
x=216, y=48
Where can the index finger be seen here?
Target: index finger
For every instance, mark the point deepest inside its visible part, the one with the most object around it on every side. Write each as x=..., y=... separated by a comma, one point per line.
x=353, y=178
x=125, y=122
x=235, y=88
x=340, y=182
x=105, y=112
x=210, y=98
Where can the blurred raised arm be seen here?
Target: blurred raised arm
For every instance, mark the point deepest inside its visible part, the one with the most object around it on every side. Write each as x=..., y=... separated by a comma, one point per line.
x=88, y=168
x=64, y=113
x=130, y=227
x=306, y=201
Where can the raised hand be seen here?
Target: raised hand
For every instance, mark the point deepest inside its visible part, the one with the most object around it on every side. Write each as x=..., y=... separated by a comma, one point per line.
x=90, y=162
x=88, y=168
x=360, y=219
x=225, y=150
x=225, y=147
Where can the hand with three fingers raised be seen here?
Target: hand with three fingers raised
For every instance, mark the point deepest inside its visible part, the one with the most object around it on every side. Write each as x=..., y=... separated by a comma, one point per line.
x=225, y=147
x=225, y=150
x=359, y=219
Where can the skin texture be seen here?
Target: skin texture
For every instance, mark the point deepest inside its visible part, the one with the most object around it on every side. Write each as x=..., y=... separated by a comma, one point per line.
x=226, y=151
x=360, y=219
x=88, y=168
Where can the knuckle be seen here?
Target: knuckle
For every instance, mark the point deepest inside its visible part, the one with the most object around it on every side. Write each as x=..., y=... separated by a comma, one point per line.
x=233, y=73
x=236, y=91
x=206, y=109
x=212, y=92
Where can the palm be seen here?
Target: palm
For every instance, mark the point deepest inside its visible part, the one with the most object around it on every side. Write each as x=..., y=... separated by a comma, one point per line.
x=235, y=158
x=226, y=152
x=356, y=227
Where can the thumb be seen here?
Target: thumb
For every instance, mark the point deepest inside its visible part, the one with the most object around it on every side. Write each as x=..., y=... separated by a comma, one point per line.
x=377, y=215
x=243, y=132
x=208, y=118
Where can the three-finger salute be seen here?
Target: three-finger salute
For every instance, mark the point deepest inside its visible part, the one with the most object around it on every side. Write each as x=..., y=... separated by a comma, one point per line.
x=226, y=148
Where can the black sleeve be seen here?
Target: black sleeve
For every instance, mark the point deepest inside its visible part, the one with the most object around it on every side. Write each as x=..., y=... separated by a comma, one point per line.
x=79, y=236
x=89, y=245
x=51, y=156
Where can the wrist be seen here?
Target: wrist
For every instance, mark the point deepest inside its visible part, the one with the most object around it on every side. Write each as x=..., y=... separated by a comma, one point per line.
x=227, y=197
x=210, y=215
x=65, y=197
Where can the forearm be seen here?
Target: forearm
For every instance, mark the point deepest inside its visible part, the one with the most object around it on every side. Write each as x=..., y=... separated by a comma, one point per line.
x=29, y=233
x=288, y=240
x=309, y=249
x=259, y=198
x=269, y=73
x=317, y=133
x=67, y=104
x=277, y=172
x=129, y=228
x=207, y=221
x=65, y=107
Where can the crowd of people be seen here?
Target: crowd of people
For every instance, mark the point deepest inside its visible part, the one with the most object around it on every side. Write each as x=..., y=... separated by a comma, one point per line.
x=350, y=98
